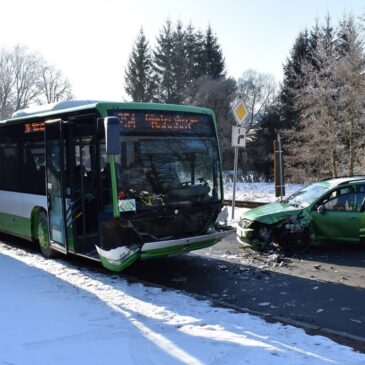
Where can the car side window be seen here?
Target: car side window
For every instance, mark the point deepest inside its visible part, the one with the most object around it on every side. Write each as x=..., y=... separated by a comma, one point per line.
x=342, y=200
x=360, y=198
x=360, y=202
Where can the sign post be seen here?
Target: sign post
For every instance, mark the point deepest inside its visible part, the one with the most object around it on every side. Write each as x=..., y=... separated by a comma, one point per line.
x=239, y=111
x=278, y=169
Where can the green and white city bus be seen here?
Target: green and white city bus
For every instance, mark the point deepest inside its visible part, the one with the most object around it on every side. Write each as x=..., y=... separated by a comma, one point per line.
x=114, y=182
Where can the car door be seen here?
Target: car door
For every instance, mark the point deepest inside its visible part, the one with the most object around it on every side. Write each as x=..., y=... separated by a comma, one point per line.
x=338, y=217
x=360, y=203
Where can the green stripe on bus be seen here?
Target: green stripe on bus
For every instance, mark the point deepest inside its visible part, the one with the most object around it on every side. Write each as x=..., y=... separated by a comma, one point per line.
x=176, y=249
x=14, y=224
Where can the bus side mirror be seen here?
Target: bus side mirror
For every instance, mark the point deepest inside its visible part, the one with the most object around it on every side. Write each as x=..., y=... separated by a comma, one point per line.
x=112, y=135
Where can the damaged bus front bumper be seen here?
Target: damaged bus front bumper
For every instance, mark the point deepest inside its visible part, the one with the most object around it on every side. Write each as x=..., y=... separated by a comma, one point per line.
x=162, y=248
x=118, y=259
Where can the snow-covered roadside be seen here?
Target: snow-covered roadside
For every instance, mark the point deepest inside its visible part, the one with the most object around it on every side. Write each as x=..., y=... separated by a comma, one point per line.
x=53, y=313
x=263, y=192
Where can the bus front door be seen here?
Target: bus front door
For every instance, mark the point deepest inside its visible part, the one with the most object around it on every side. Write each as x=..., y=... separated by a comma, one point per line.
x=54, y=143
x=83, y=183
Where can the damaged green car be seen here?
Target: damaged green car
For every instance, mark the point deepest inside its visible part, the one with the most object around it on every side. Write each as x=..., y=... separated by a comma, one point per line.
x=329, y=210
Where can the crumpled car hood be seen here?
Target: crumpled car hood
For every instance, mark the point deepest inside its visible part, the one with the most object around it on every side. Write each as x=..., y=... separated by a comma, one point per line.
x=271, y=213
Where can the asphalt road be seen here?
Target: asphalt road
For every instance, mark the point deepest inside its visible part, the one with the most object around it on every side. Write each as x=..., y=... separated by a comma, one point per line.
x=324, y=288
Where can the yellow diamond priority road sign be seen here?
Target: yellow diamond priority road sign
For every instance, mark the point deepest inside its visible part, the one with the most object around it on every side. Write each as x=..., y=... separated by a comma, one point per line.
x=239, y=111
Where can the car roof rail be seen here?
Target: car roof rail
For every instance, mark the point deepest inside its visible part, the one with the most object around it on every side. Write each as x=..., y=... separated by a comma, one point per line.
x=350, y=178
x=353, y=179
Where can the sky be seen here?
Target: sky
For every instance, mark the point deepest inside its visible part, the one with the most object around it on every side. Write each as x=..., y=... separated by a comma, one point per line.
x=57, y=313
x=90, y=40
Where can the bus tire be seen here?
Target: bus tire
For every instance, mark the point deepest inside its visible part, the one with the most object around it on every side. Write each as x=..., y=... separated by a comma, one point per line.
x=43, y=236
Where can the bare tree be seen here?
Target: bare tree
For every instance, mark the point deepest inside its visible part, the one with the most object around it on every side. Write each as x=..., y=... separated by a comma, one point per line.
x=7, y=82
x=27, y=68
x=25, y=79
x=216, y=94
x=258, y=91
x=351, y=68
x=53, y=86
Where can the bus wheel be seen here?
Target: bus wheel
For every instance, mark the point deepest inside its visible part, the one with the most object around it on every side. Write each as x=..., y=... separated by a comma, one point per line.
x=43, y=236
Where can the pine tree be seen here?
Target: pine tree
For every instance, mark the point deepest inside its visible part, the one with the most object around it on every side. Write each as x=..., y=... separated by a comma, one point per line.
x=293, y=80
x=193, y=51
x=329, y=100
x=315, y=34
x=200, y=55
x=213, y=61
x=179, y=62
x=163, y=65
x=138, y=78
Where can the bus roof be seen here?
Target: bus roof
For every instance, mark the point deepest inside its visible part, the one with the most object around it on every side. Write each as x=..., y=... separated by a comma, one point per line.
x=69, y=106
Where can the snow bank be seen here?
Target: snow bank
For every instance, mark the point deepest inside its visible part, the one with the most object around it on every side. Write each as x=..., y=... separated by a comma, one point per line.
x=264, y=192
x=54, y=313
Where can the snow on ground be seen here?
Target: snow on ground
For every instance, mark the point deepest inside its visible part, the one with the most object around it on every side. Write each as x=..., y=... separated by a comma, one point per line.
x=54, y=313
x=263, y=192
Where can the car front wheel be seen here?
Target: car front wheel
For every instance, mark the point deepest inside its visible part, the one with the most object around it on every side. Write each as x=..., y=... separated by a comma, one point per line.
x=295, y=242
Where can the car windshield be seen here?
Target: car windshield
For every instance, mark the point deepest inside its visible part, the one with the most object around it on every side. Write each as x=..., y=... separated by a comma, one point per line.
x=304, y=197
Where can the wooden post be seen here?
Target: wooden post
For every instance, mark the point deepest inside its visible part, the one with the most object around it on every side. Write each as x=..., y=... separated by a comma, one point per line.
x=278, y=169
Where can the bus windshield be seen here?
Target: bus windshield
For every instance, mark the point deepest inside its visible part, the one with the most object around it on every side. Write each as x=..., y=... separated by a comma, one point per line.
x=168, y=158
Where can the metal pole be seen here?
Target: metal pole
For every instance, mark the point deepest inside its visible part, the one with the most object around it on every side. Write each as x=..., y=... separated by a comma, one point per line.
x=281, y=182
x=234, y=179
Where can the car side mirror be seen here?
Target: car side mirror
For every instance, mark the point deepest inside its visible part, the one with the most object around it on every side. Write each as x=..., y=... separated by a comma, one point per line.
x=320, y=208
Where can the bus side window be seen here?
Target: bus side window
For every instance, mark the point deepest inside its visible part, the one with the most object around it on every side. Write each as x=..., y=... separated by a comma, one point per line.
x=3, y=162
x=29, y=171
x=12, y=172
x=33, y=168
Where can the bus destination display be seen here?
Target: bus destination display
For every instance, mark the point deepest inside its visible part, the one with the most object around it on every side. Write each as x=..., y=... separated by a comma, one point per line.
x=128, y=120
x=33, y=127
